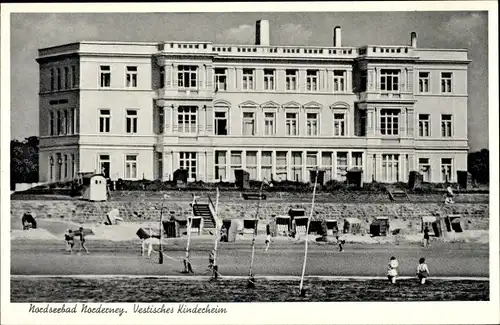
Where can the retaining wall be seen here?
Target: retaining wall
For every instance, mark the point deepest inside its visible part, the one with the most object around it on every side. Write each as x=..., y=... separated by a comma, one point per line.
x=475, y=215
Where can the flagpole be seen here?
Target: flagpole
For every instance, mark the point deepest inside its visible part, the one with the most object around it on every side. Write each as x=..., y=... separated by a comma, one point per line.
x=301, y=290
x=216, y=232
x=160, y=248
x=189, y=222
x=250, y=275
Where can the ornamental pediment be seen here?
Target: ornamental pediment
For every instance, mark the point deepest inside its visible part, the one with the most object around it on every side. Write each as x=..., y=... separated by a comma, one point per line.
x=291, y=104
x=339, y=105
x=270, y=104
x=249, y=103
x=312, y=104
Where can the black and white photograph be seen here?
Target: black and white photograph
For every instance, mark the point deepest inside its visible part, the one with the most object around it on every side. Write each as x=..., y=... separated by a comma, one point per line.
x=193, y=163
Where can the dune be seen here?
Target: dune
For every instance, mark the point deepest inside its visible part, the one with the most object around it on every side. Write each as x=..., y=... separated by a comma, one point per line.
x=34, y=234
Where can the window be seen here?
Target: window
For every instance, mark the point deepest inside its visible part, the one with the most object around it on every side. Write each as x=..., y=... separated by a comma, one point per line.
x=220, y=123
x=423, y=82
x=357, y=160
x=162, y=77
x=186, y=76
x=425, y=169
x=73, y=76
x=161, y=120
x=131, y=77
x=312, y=80
x=251, y=164
x=446, y=125
x=66, y=78
x=51, y=168
x=312, y=124
x=266, y=166
x=59, y=76
x=235, y=162
x=248, y=79
x=339, y=124
x=311, y=163
x=186, y=119
x=51, y=122
x=389, y=80
x=131, y=121
x=339, y=81
x=281, y=165
x=65, y=161
x=220, y=79
x=291, y=123
x=131, y=167
x=59, y=123
x=446, y=82
x=248, y=123
x=389, y=121
x=326, y=164
x=296, y=166
x=66, y=122
x=52, y=80
x=446, y=170
x=291, y=79
x=105, y=121
x=269, y=79
x=105, y=71
x=269, y=123
x=220, y=165
x=73, y=119
x=342, y=166
x=424, y=125
x=73, y=162
x=187, y=161
x=390, y=168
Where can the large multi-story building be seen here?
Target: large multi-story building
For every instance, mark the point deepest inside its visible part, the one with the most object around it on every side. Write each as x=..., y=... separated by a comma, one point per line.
x=144, y=110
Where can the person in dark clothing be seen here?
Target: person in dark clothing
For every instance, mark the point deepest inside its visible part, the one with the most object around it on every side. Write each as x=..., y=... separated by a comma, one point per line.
x=223, y=234
x=82, y=241
x=70, y=241
x=426, y=236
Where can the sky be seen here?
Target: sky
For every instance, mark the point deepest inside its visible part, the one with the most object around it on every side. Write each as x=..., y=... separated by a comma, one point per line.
x=31, y=31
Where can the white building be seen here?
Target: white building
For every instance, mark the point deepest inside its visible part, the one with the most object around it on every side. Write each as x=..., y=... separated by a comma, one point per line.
x=144, y=110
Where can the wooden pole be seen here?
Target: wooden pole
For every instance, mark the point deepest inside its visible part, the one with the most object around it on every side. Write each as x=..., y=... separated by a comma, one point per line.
x=189, y=223
x=160, y=248
x=250, y=275
x=302, y=292
x=216, y=231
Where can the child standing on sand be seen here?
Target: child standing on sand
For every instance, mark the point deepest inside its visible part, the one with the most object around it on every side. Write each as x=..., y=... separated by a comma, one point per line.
x=82, y=241
x=392, y=271
x=268, y=241
x=422, y=271
x=70, y=242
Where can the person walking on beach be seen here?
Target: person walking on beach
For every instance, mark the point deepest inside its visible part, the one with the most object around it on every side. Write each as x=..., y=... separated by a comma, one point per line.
x=426, y=236
x=392, y=271
x=70, y=241
x=211, y=259
x=422, y=271
x=82, y=241
x=268, y=241
x=341, y=243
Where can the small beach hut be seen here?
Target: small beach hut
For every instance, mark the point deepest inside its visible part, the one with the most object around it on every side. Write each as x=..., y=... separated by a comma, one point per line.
x=300, y=225
x=28, y=221
x=332, y=227
x=145, y=233
x=112, y=217
x=94, y=188
x=249, y=225
x=283, y=224
x=171, y=228
x=316, y=227
x=454, y=223
x=196, y=225
x=380, y=226
x=352, y=226
x=235, y=228
x=433, y=224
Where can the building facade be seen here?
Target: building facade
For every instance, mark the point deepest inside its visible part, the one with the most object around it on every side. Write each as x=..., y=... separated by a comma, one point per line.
x=144, y=110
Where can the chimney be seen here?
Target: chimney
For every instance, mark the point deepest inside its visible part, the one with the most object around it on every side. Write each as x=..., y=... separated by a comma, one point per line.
x=337, y=37
x=262, y=32
x=413, y=39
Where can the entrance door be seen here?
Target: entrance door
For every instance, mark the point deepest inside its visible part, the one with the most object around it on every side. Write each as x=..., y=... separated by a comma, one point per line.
x=104, y=165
